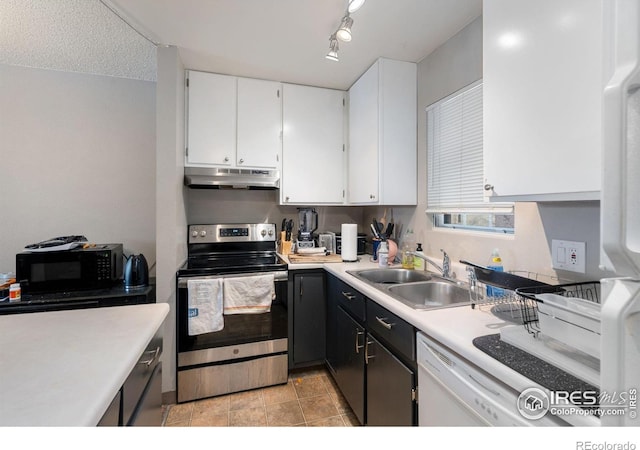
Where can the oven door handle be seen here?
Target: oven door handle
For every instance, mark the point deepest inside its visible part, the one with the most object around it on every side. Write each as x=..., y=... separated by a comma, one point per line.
x=281, y=275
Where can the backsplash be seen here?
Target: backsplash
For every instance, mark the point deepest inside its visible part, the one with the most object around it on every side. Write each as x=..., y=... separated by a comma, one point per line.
x=241, y=206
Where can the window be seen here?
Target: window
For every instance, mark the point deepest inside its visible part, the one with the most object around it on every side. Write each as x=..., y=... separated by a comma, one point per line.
x=455, y=175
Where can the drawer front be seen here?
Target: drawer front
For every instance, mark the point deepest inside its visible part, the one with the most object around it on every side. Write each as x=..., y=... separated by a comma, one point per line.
x=140, y=375
x=350, y=299
x=397, y=333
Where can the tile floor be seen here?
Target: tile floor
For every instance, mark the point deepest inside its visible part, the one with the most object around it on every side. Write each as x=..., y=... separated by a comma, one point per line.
x=310, y=398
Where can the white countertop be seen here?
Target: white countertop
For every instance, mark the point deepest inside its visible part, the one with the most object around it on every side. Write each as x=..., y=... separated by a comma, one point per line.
x=454, y=327
x=63, y=368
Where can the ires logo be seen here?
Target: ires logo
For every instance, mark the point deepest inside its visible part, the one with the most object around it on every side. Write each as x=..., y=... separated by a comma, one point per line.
x=534, y=403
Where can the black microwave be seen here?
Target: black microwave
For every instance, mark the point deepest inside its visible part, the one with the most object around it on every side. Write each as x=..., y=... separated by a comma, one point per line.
x=69, y=270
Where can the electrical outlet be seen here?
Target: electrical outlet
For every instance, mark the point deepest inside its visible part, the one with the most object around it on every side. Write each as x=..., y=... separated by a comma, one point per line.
x=568, y=255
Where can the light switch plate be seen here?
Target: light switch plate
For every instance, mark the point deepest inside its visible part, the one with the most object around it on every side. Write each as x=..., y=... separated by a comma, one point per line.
x=568, y=255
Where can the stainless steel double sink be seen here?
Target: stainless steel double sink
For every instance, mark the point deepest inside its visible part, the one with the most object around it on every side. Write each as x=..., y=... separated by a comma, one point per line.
x=417, y=289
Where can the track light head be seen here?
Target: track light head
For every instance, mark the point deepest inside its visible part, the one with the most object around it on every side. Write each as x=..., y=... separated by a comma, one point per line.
x=355, y=5
x=333, y=48
x=344, y=32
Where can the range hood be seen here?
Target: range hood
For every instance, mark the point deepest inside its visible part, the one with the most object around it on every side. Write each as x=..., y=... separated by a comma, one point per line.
x=231, y=178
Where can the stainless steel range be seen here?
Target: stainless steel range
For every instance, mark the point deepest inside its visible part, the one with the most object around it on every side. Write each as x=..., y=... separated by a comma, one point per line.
x=250, y=349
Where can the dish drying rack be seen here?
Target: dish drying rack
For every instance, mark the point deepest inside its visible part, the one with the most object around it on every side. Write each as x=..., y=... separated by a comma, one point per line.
x=512, y=295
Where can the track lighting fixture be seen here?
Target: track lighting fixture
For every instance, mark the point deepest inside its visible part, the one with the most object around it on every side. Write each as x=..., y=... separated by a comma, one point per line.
x=333, y=48
x=355, y=5
x=343, y=32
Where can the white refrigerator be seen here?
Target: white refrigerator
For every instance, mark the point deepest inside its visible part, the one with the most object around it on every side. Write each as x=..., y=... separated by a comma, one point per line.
x=620, y=209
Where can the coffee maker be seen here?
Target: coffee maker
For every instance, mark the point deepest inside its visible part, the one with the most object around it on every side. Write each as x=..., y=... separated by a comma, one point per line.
x=308, y=224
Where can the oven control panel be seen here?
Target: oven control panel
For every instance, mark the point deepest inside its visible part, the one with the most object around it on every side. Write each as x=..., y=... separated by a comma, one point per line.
x=247, y=232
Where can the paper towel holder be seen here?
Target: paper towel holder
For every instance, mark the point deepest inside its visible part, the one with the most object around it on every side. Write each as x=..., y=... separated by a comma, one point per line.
x=349, y=242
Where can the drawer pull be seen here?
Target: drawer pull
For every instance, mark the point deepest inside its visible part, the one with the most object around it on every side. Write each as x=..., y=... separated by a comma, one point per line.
x=348, y=295
x=148, y=362
x=382, y=321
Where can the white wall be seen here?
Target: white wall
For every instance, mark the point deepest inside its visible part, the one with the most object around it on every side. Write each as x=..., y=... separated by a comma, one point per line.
x=171, y=212
x=78, y=157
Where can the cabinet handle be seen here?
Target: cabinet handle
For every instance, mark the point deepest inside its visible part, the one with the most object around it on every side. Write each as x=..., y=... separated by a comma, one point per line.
x=348, y=295
x=226, y=159
x=301, y=283
x=358, y=346
x=382, y=321
x=148, y=362
x=241, y=161
x=367, y=356
x=488, y=187
x=371, y=196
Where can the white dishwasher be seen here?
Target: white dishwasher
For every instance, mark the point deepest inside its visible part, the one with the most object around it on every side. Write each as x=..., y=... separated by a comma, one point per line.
x=454, y=392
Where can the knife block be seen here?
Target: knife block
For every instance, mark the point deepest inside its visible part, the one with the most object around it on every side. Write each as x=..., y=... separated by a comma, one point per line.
x=284, y=246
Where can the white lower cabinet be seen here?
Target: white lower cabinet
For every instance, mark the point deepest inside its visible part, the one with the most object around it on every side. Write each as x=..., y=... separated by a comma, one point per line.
x=313, y=145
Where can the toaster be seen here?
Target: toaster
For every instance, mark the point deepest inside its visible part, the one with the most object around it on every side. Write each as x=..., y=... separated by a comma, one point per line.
x=327, y=239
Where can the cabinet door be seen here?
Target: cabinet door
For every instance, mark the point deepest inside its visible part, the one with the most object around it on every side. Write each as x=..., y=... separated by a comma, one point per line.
x=309, y=319
x=349, y=365
x=543, y=82
x=398, y=159
x=313, y=145
x=211, y=119
x=363, y=138
x=259, y=123
x=390, y=388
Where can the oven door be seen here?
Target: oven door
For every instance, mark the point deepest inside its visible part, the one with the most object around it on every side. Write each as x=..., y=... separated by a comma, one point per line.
x=238, y=328
x=249, y=352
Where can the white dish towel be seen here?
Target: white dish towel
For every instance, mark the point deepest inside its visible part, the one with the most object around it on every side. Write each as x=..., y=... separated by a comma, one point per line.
x=205, y=306
x=249, y=295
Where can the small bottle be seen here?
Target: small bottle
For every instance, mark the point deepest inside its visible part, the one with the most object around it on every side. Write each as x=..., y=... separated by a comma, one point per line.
x=15, y=293
x=383, y=254
x=495, y=263
x=407, y=257
x=418, y=263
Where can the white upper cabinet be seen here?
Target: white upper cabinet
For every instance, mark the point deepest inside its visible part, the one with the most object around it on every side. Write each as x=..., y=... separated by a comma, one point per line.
x=543, y=85
x=232, y=121
x=259, y=123
x=382, y=156
x=313, y=157
x=211, y=129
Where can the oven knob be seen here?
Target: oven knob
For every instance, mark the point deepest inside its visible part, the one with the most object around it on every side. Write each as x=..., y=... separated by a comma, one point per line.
x=270, y=232
x=194, y=234
x=263, y=233
x=203, y=233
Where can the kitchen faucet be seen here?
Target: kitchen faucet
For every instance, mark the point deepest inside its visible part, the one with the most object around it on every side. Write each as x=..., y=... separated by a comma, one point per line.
x=445, y=270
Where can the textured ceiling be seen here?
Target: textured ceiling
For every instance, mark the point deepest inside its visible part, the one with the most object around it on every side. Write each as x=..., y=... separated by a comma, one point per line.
x=287, y=40
x=283, y=40
x=75, y=36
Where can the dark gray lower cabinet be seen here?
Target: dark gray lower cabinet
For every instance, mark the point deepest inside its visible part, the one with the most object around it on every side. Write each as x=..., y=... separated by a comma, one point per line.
x=390, y=387
x=371, y=355
x=349, y=363
x=111, y=417
x=139, y=400
x=307, y=318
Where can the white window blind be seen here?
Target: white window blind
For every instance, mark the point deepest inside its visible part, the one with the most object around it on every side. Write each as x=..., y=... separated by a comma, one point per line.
x=455, y=173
